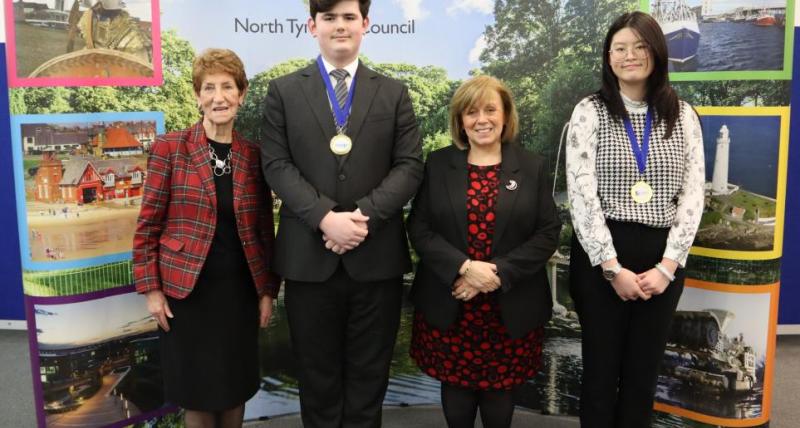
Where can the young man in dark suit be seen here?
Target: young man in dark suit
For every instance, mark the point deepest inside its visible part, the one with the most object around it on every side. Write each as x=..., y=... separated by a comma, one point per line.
x=342, y=151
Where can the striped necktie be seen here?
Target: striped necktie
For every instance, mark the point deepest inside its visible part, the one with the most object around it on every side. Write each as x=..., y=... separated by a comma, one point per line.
x=341, y=85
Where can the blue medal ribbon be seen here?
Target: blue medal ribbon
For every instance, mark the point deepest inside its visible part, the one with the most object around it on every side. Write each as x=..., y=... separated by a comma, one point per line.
x=640, y=153
x=340, y=114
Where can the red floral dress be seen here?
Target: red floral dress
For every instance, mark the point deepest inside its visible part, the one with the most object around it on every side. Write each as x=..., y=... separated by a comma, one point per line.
x=476, y=352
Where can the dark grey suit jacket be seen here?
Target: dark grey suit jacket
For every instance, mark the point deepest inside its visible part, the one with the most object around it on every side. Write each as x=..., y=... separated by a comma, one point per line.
x=526, y=235
x=379, y=175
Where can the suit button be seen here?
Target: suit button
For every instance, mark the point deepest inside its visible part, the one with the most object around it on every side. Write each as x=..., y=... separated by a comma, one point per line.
x=342, y=177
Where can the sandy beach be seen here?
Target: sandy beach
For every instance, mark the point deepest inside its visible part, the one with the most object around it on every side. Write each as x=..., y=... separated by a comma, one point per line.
x=70, y=232
x=40, y=214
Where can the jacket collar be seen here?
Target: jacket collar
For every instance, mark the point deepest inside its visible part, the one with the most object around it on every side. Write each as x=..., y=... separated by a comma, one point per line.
x=197, y=146
x=317, y=97
x=508, y=189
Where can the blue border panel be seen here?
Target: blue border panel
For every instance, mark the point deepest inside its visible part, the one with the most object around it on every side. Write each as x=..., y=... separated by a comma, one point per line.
x=11, y=303
x=789, y=306
x=16, y=141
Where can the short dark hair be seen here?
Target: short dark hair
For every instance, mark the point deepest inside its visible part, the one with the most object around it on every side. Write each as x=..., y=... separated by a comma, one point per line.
x=322, y=6
x=660, y=94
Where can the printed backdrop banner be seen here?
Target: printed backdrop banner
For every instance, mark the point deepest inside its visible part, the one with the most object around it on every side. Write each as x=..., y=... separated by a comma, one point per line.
x=86, y=104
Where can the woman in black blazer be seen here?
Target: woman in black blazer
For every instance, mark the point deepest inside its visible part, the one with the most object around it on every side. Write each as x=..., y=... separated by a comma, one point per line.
x=484, y=225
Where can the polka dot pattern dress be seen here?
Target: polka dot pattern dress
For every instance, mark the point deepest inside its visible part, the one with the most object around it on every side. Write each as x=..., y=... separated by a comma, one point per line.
x=476, y=352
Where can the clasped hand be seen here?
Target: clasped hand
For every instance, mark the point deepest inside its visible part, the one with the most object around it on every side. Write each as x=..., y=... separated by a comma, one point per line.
x=632, y=286
x=343, y=231
x=480, y=277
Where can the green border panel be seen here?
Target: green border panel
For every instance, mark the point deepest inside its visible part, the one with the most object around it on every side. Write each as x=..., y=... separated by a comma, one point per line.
x=785, y=74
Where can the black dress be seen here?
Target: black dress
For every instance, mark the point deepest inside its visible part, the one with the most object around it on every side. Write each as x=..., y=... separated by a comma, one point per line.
x=210, y=355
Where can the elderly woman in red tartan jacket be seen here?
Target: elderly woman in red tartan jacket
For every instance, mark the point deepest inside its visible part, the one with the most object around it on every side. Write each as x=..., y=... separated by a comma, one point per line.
x=202, y=249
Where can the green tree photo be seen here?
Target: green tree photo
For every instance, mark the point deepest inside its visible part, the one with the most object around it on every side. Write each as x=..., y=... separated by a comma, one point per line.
x=549, y=54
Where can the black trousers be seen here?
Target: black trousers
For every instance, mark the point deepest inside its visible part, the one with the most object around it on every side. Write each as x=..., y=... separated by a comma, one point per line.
x=622, y=342
x=343, y=334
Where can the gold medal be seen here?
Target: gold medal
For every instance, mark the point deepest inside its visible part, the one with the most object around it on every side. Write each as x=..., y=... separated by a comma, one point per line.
x=641, y=192
x=341, y=144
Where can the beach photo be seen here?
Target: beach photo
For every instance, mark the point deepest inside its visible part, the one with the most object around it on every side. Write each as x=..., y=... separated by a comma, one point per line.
x=83, y=42
x=97, y=359
x=726, y=35
x=80, y=184
x=715, y=365
x=745, y=175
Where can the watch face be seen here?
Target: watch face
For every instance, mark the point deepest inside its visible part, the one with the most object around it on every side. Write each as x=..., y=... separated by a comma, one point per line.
x=609, y=275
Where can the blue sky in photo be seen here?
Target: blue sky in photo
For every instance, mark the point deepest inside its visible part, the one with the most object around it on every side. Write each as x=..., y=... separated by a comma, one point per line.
x=753, y=150
x=445, y=31
x=751, y=313
x=92, y=321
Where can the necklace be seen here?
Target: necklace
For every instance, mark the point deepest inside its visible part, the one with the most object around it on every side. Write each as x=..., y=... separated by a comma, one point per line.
x=220, y=167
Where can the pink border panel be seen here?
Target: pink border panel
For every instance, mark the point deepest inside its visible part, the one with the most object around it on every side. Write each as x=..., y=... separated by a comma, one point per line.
x=11, y=58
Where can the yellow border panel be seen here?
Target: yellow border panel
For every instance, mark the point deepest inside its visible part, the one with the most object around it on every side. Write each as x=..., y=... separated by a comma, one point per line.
x=780, y=191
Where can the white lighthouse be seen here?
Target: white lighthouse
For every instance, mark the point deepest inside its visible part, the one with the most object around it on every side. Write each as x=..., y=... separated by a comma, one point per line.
x=719, y=182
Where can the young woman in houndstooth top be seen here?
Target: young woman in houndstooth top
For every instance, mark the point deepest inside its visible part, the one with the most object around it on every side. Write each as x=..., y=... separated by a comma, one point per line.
x=635, y=176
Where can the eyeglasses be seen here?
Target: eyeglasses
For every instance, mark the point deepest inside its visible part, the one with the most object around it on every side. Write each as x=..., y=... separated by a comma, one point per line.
x=620, y=52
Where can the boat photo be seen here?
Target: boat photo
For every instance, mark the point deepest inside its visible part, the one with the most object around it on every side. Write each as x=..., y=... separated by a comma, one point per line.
x=765, y=19
x=679, y=24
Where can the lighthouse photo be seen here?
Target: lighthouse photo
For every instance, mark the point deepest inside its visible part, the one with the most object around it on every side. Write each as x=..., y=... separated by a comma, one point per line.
x=744, y=201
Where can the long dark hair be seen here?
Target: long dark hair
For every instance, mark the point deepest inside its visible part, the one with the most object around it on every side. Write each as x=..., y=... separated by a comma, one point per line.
x=660, y=94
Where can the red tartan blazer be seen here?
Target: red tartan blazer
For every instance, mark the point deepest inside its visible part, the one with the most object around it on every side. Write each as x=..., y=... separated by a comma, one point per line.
x=179, y=214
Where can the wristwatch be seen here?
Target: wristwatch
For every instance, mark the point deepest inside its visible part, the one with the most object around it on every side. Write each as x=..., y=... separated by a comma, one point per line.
x=611, y=272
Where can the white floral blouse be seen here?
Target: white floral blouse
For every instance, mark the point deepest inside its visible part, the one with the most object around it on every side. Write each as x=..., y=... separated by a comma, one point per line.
x=601, y=168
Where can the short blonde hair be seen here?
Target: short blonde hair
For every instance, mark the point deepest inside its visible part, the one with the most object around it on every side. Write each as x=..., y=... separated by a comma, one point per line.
x=473, y=91
x=215, y=60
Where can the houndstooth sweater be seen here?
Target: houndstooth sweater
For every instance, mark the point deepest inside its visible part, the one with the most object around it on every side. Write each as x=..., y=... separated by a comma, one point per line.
x=601, y=169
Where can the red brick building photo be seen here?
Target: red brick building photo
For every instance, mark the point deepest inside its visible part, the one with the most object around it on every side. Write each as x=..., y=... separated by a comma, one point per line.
x=86, y=179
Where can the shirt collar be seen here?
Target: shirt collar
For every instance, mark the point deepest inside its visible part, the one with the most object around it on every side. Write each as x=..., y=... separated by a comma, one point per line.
x=351, y=68
x=633, y=106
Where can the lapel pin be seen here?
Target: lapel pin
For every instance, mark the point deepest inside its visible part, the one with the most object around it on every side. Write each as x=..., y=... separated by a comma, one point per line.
x=512, y=185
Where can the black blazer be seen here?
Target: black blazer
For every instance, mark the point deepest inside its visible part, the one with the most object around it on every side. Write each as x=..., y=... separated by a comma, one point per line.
x=526, y=235
x=379, y=175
